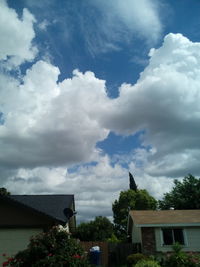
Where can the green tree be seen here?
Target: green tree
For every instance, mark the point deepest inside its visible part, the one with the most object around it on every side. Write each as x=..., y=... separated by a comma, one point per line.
x=184, y=195
x=128, y=200
x=98, y=230
x=4, y=192
x=132, y=184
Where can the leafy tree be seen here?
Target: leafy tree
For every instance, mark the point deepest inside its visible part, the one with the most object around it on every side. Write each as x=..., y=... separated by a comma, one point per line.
x=4, y=192
x=128, y=200
x=98, y=230
x=184, y=195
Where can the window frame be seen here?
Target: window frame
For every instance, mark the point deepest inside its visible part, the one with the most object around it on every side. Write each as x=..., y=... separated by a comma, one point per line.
x=173, y=228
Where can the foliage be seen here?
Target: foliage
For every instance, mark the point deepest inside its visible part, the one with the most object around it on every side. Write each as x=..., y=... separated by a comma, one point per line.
x=98, y=230
x=184, y=195
x=130, y=199
x=147, y=263
x=133, y=185
x=134, y=258
x=181, y=259
x=4, y=192
x=113, y=239
x=193, y=260
x=54, y=248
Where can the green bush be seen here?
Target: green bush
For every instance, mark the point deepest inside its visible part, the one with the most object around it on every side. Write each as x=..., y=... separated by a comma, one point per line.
x=147, y=263
x=54, y=248
x=134, y=258
x=178, y=258
x=193, y=260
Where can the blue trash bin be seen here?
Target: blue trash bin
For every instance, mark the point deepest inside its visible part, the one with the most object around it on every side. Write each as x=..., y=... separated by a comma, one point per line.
x=95, y=256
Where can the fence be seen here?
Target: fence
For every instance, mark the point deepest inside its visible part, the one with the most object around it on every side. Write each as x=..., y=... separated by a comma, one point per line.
x=118, y=252
x=113, y=254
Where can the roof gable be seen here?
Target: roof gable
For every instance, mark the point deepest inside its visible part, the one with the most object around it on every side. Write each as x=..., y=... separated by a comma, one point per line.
x=50, y=205
x=165, y=217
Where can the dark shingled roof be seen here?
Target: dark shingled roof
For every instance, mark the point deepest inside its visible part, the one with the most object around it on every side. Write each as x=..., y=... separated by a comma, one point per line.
x=50, y=205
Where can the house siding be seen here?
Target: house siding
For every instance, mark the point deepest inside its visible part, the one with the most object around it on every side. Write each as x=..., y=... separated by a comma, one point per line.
x=136, y=234
x=192, y=240
x=14, y=240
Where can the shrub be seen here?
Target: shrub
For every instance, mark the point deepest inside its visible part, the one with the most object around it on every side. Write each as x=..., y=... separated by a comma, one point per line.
x=54, y=248
x=193, y=260
x=178, y=258
x=113, y=239
x=147, y=263
x=134, y=258
x=181, y=259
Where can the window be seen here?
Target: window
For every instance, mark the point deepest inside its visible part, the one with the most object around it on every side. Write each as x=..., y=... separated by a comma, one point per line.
x=170, y=236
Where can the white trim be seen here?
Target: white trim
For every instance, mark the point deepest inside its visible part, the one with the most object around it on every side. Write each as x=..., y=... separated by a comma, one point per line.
x=172, y=228
x=168, y=225
x=161, y=237
x=185, y=238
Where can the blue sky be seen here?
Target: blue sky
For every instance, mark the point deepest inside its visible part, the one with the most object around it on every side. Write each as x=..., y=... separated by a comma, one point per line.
x=93, y=89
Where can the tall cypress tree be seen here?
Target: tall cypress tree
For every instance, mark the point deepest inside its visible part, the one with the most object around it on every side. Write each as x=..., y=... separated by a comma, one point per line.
x=132, y=183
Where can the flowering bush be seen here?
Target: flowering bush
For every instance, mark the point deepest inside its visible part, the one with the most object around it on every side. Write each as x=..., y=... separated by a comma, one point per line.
x=54, y=248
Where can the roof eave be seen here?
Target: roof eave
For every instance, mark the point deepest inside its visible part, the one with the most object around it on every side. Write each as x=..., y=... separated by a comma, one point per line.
x=18, y=203
x=168, y=225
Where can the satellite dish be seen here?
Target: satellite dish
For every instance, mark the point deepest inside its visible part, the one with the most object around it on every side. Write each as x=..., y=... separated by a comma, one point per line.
x=68, y=212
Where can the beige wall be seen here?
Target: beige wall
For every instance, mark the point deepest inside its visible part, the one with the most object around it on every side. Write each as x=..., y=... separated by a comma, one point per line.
x=191, y=235
x=14, y=240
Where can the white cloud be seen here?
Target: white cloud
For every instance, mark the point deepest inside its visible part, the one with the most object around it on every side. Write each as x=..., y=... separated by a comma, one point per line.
x=164, y=102
x=95, y=186
x=49, y=123
x=43, y=25
x=120, y=22
x=141, y=17
x=16, y=36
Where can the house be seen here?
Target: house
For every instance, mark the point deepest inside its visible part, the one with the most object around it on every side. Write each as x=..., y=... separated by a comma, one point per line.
x=22, y=216
x=157, y=230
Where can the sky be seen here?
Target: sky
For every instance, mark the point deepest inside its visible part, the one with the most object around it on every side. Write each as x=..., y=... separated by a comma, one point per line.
x=91, y=90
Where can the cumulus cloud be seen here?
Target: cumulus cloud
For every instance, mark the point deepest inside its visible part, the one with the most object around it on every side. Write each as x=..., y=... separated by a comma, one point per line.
x=164, y=102
x=16, y=36
x=50, y=123
x=48, y=126
x=95, y=186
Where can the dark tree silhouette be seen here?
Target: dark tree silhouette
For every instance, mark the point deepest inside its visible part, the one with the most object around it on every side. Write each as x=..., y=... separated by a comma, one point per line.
x=132, y=185
x=4, y=192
